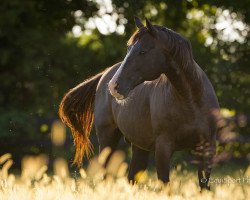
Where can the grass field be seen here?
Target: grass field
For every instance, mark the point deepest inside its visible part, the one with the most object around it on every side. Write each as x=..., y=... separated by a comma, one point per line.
x=35, y=184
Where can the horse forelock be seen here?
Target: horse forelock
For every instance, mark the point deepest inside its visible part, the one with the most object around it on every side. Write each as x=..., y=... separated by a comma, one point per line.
x=137, y=35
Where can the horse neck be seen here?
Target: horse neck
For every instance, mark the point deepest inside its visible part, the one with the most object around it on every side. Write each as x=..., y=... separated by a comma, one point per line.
x=193, y=75
x=186, y=80
x=183, y=72
x=178, y=82
x=186, y=88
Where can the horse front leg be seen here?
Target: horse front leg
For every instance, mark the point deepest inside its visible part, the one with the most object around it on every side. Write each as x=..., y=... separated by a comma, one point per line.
x=138, y=162
x=163, y=152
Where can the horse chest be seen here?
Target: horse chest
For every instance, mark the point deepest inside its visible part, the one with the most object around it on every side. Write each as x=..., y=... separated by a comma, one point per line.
x=134, y=121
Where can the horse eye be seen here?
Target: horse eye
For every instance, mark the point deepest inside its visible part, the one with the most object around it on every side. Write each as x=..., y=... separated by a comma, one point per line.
x=142, y=52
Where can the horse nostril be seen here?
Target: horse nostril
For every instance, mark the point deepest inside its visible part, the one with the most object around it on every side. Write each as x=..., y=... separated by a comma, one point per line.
x=116, y=87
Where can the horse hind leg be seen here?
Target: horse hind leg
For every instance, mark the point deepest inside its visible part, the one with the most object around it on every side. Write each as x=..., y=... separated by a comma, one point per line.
x=138, y=162
x=204, y=176
x=108, y=136
x=206, y=152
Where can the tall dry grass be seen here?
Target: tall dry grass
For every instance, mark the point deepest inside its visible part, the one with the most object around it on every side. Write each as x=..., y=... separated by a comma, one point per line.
x=35, y=184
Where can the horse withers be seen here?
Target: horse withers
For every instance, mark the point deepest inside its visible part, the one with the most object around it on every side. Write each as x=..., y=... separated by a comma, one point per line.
x=158, y=98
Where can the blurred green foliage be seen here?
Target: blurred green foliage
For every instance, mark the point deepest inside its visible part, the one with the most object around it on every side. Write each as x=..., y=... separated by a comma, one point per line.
x=40, y=59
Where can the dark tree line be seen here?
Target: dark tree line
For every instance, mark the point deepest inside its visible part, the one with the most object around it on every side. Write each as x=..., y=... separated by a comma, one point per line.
x=40, y=59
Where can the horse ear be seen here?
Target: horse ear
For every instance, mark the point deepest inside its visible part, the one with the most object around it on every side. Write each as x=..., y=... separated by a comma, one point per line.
x=138, y=22
x=150, y=27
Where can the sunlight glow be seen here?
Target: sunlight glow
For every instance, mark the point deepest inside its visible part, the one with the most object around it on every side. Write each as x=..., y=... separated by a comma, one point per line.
x=105, y=6
x=77, y=31
x=106, y=24
x=230, y=28
x=106, y=21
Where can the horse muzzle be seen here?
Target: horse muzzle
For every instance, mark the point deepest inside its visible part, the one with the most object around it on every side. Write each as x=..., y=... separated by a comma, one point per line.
x=113, y=90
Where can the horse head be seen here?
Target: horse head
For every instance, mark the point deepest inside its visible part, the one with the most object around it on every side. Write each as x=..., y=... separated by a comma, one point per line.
x=145, y=60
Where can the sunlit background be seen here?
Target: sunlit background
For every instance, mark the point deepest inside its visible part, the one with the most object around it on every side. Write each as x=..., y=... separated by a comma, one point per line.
x=49, y=46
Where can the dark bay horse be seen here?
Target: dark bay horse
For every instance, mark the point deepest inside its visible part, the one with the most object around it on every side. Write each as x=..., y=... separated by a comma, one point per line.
x=158, y=98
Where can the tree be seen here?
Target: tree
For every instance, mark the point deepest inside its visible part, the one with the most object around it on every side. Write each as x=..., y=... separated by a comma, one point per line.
x=40, y=59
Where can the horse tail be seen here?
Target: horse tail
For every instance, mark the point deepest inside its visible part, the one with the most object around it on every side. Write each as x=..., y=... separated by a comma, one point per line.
x=76, y=110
